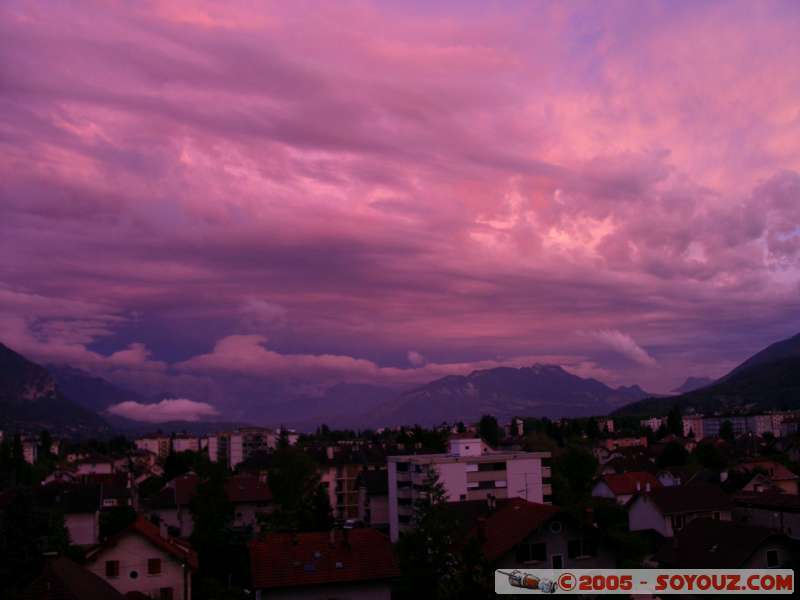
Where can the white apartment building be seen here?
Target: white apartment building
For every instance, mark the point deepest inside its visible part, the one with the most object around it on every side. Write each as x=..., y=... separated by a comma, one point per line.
x=157, y=444
x=233, y=448
x=470, y=470
x=185, y=443
x=654, y=423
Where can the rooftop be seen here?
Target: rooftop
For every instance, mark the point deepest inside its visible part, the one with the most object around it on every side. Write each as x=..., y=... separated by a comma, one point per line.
x=699, y=497
x=626, y=483
x=282, y=560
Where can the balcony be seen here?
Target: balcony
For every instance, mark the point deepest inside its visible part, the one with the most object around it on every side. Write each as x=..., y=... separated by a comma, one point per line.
x=546, y=473
x=547, y=489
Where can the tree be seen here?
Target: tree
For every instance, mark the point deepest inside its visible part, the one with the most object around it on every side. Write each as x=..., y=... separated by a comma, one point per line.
x=709, y=456
x=572, y=475
x=592, y=429
x=675, y=421
x=489, y=430
x=726, y=431
x=674, y=455
x=212, y=514
x=427, y=555
x=114, y=520
x=302, y=502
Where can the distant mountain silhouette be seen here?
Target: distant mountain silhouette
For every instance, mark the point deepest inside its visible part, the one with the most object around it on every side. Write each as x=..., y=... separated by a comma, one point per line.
x=769, y=380
x=693, y=383
x=90, y=391
x=539, y=390
x=31, y=401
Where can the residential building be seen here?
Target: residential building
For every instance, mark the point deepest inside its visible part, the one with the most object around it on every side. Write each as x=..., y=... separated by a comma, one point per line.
x=233, y=448
x=354, y=564
x=622, y=486
x=693, y=427
x=716, y=544
x=30, y=451
x=144, y=558
x=654, y=423
x=94, y=464
x=185, y=443
x=251, y=497
x=171, y=505
x=470, y=470
x=158, y=444
x=373, y=499
x=778, y=475
x=63, y=579
x=514, y=533
x=624, y=442
x=80, y=504
x=667, y=510
x=341, y=482
x=776, y=511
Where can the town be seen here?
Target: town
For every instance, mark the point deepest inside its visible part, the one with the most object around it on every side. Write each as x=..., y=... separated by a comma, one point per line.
x=396, y=513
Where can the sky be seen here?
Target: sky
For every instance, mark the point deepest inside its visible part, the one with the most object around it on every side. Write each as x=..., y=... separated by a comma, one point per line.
x=230, y=200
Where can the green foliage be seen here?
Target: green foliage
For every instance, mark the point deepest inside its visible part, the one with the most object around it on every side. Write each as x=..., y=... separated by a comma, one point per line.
x=489, y=430
x=572, y=475
x=674, y=455
x=427, y=554
x=726, y=431
x=212, y=514
x=675, y=421
x=302, y=503
x=708, y=455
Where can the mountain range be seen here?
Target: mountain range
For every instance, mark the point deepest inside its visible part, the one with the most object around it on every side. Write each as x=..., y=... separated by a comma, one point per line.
x=30, y=400
x=505, y=392
x=769, y=380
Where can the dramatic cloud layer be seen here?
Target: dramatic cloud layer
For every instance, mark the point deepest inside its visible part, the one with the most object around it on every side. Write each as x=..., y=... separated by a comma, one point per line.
x=205, y=197
x=177, y=409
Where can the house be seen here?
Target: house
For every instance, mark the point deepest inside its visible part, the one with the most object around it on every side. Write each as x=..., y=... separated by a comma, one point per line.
x=373, y=499
x=776, y=511
x=94, y=464
x=622, y=486
x=171, y=504
x=624, y=442
x=667, y=510
x=778, y=474
x=714, y=544
x=514, y=533
x=144, y=558
x=80, y=505
x=349, y=563
x=470, y=470
x=250, y=496
x=63, y=579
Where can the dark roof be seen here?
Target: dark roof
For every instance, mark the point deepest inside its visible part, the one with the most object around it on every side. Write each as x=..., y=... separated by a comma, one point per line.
x=179, y=550
x=376, y=482
x=62, y=579
x=512, y=521
x=282, y=560
x=247, y=488
x=625, y=483
x=713, y=544
x=699, y=497
x=769, y=500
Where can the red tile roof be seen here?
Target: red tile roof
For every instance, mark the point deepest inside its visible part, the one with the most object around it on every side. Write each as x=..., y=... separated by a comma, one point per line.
x=281, y=560
x=247, y=488
x=625, y=483
x=151, y=532
x=512, y=522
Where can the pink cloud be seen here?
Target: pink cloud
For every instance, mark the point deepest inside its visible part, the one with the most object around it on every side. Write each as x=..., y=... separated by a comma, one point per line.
x=173, y=409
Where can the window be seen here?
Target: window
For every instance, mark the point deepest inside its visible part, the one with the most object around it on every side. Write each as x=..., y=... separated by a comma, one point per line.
x=581, y=548
x=677, y=522
x=402, y=467
x=530, y=551
x=153, y=566
x=165, y=593
x=772, y=558
x=112, y=568
x=492, y=466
